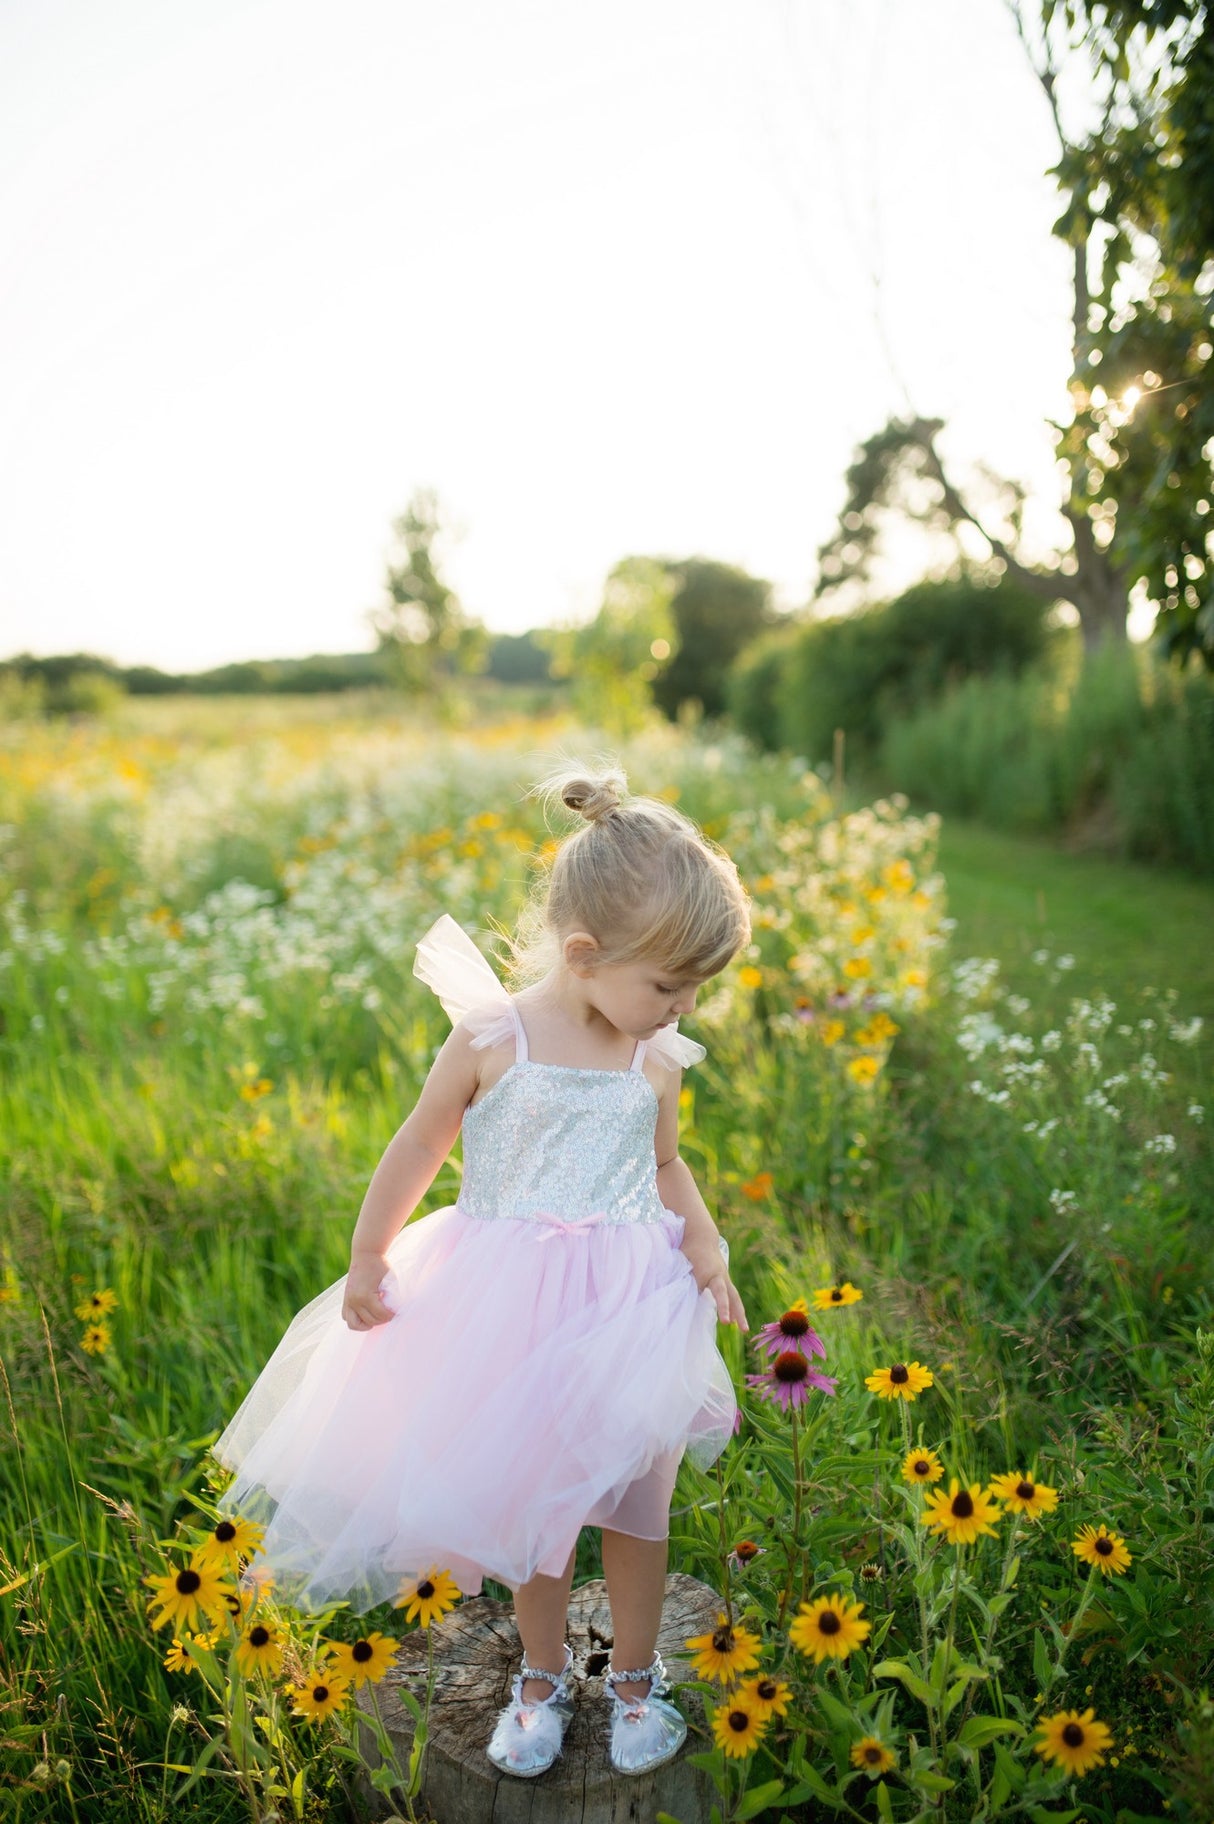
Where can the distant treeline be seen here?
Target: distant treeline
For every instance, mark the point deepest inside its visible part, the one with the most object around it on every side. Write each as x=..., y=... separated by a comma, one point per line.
x=75, y=681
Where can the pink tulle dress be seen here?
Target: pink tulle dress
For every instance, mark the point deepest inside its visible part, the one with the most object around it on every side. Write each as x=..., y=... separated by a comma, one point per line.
x=548, y=1361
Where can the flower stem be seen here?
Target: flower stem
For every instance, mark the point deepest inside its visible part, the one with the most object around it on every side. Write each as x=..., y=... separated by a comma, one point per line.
x=792, y=1546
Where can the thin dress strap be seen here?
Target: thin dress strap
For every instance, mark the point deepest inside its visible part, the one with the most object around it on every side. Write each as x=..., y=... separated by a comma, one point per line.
x=520, y=1036
x=638, y=1056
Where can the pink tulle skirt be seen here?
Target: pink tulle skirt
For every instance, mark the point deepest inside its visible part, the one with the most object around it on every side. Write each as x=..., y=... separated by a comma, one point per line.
x=532, y=1380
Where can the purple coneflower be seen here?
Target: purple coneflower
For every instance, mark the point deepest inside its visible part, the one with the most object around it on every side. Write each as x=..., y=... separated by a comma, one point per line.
x=789, y=1379
x=792, y=1331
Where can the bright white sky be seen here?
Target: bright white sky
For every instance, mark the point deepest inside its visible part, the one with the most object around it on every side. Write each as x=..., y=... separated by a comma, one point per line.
x=600, y=273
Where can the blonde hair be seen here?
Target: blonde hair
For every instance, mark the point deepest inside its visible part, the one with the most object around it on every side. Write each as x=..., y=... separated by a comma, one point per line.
x=639, y=877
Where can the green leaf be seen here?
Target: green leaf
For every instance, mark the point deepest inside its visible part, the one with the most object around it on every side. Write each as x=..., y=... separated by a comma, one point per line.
x=980, y=1730
x=931, y=1782
x=812, y=1786
x=885, y=1804
x=1042, y=1670
x=760, y=1799
x=1010, y=1768
x=1040, y=1815
x=837, y=1714
x=918, y=1687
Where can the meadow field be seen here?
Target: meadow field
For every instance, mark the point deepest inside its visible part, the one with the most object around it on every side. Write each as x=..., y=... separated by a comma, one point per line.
x=976, y=1580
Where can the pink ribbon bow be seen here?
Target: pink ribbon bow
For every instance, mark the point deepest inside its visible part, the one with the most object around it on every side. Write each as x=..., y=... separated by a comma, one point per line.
x=559, y=1225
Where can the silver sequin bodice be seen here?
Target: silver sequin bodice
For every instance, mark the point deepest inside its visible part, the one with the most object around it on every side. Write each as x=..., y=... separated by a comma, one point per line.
x=555, y=1142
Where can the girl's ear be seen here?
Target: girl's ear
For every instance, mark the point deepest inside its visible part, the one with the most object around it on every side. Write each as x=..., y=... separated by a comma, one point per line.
x=580, y=952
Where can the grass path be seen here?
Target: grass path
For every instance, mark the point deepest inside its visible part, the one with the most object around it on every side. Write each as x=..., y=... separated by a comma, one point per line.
x=1127, y=925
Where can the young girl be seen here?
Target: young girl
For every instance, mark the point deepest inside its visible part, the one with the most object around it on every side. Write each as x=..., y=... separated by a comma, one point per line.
x=537, y=1357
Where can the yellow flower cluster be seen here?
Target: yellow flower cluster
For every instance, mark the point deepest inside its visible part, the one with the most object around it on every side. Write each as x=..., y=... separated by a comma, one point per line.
x=198, y=1599
x=92, y=1312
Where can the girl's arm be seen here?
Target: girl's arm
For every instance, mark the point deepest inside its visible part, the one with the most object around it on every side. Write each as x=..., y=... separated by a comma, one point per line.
x=405, y=1173
x=678, y=1192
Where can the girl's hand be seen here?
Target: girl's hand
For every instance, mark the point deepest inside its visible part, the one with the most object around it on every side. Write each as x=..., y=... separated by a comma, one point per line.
x=362, y=1306
x=712, y=1276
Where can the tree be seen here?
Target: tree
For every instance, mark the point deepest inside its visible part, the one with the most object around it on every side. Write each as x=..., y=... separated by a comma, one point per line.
x=1138, y=192
x=611, y=662
x=423, y=625
x=717, y=611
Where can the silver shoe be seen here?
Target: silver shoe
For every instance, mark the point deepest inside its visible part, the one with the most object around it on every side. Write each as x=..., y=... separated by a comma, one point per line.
x=645, y=1731
x=528, y=1736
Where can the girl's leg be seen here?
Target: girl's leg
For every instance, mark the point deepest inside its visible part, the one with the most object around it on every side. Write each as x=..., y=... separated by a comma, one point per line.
x=541, y=1609
x=635, y=1570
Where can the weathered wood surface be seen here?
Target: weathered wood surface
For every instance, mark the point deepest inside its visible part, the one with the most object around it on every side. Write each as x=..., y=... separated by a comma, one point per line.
x=477, y=1653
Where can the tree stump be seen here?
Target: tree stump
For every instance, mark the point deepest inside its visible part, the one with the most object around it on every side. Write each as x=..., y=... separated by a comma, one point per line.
x=477, y=1652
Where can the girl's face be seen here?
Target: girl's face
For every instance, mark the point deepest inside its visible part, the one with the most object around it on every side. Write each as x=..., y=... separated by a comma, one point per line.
x=641, y=997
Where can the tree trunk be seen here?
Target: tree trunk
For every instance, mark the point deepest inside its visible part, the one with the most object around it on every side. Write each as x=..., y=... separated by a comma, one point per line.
x=477, y=1653
x=1097, y=590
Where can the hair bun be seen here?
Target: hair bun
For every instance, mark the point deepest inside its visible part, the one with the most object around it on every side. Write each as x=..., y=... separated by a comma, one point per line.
x=594, y=797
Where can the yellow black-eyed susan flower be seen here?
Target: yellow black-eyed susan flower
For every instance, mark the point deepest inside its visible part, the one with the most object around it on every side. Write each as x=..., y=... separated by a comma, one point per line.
x=180, y=1657
x=427, y=1598
x=826, y=1298
x=1096, y=1545
x=322, y=1696
x=904, y=1381
x=767, y=1696
x=188, y=1597
x=962, y=1515
x=921, y=1467
x=1023, y=1496
x=363, y=1662
x=1077, y=1742
x=863, y=1070
x=873, y=1756
x=229, y=1541
x=96, y=1339
x=96, y=1306
x=737, y=1727
x=726, y=1653
x=829, y=1628
x=260, y=1649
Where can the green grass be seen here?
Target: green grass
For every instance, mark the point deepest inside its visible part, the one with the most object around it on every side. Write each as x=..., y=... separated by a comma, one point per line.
x=1127, y=925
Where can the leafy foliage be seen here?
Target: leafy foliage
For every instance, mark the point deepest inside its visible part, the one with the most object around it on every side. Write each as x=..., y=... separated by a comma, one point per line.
x=423, y=624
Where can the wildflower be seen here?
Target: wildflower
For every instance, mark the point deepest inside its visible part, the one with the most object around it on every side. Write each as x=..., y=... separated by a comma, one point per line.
x=738, y=1728
x=832, y=1031
x=254, y=1090
x=962, y=1515
x=366, y=1661
x=791, y=1331
x=96, y=1306
x=427, y=1598
x=758, y=1187
x=788, y=1380
x=870, y=1572
x=857, y=967
x=744, y=1553
x=229, y=1541
x=921, y=1466
x=827, y=1297
x=1077, y=1742
x=1023, y=1496
x=769, y=1696
x=260, y=1649
x=872, y=1757
x=195, y=1591
x=726, y=1653
x=863, y=1070
x=829, y=1628
x=96, y=1339
x=180, y=1657
x=750, y=977
x=1096, y=1545
x=323, y=1697
x=904, y=1381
